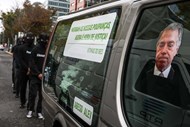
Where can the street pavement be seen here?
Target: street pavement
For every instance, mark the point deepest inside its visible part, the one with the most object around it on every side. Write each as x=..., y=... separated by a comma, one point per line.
x=10, y=113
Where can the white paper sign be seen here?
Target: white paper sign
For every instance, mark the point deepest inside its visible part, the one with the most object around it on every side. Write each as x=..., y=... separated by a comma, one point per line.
x=88, y=38
x=83, y=110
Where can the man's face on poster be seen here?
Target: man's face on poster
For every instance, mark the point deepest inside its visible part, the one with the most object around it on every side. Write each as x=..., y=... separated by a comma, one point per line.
x=166, y=49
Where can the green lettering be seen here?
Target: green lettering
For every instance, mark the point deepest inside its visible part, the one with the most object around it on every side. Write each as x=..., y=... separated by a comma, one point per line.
x=78, y=106
x=78, y=37
x=92, y=50
x=86, y=36
x=103, y=26
x=88, y=113
x=76, y=29
x=92, y=36
x=100, y=51
x=101, y=36
x=107, y=26
x=95, y=51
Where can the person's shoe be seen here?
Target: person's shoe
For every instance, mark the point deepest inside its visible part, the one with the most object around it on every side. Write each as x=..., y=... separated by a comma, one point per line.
x=22, y=106
x=14, y=91
x=40, y=116
x=29, y=115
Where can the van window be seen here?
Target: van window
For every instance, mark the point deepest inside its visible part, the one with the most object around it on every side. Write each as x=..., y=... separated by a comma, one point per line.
x=149, y=99
x=77, y=61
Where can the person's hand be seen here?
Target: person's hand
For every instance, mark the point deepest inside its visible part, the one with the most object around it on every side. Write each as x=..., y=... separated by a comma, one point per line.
x=40, y=76
x=28, y=72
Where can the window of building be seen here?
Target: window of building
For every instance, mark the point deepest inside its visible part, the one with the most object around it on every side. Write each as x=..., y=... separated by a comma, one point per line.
x=80, y=8
x=80, y=1
x=73, y=4
x=63, y=4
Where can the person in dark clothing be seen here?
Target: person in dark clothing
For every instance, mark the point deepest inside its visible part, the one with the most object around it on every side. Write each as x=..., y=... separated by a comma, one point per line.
x=24, y=57
x=171, y=89
x=36, y=63
x=15, y=69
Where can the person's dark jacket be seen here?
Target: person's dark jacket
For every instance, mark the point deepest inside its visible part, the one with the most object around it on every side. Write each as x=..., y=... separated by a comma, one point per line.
x=24, y=55
x=172, y=89
x=15, y=51
x=37, y=59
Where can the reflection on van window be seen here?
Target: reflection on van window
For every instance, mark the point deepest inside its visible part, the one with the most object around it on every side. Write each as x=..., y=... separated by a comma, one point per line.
x=157, y=85
x=77, y=83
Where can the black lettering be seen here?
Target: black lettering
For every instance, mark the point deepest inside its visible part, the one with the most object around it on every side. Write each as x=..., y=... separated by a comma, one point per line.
x=151, y=118
x=142, y=113
x=158, y=121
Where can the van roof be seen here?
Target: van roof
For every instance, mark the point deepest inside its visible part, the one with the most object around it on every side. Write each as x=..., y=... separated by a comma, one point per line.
x=101, y=6
x=93, y=8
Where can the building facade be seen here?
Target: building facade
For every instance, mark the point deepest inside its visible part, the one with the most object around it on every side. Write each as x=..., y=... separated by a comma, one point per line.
x=61, y=7
x=76, y=5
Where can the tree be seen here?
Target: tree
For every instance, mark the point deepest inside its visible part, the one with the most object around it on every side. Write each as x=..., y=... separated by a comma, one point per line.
x=8, y=23
x=34, y=18
x=31, y=18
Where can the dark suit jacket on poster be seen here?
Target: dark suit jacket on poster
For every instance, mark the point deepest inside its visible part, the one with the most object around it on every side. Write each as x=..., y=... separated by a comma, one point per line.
x=171, y=89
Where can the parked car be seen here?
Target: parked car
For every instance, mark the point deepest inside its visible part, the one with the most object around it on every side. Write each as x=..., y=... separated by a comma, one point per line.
x=2, y=47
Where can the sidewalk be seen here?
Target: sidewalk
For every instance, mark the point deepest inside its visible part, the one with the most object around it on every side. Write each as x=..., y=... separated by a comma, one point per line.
x=10, y=114
x=9, y=53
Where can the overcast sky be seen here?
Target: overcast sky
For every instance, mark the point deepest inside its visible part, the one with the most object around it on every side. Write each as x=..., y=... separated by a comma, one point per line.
x=6, y=5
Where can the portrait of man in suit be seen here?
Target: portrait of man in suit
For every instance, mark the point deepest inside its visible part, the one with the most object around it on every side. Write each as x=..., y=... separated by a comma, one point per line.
x=167, y=47
x=160, y=77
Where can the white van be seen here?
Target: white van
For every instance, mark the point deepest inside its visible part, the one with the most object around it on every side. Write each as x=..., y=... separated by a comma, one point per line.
x=97, y=57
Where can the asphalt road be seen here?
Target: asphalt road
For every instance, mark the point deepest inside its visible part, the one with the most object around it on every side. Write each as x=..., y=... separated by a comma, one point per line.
x=10, y=113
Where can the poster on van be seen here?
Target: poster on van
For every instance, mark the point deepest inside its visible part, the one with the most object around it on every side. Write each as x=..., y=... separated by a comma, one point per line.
x=83, y=110
x=88, y=38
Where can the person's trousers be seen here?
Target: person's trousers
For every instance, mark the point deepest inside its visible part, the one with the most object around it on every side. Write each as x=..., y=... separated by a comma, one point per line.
x=17, y=81
x=35, y=88
x=24, y=79
x=13, y=74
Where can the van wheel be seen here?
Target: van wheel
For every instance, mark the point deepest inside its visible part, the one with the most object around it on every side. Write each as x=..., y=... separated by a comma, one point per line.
x=57, y=124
